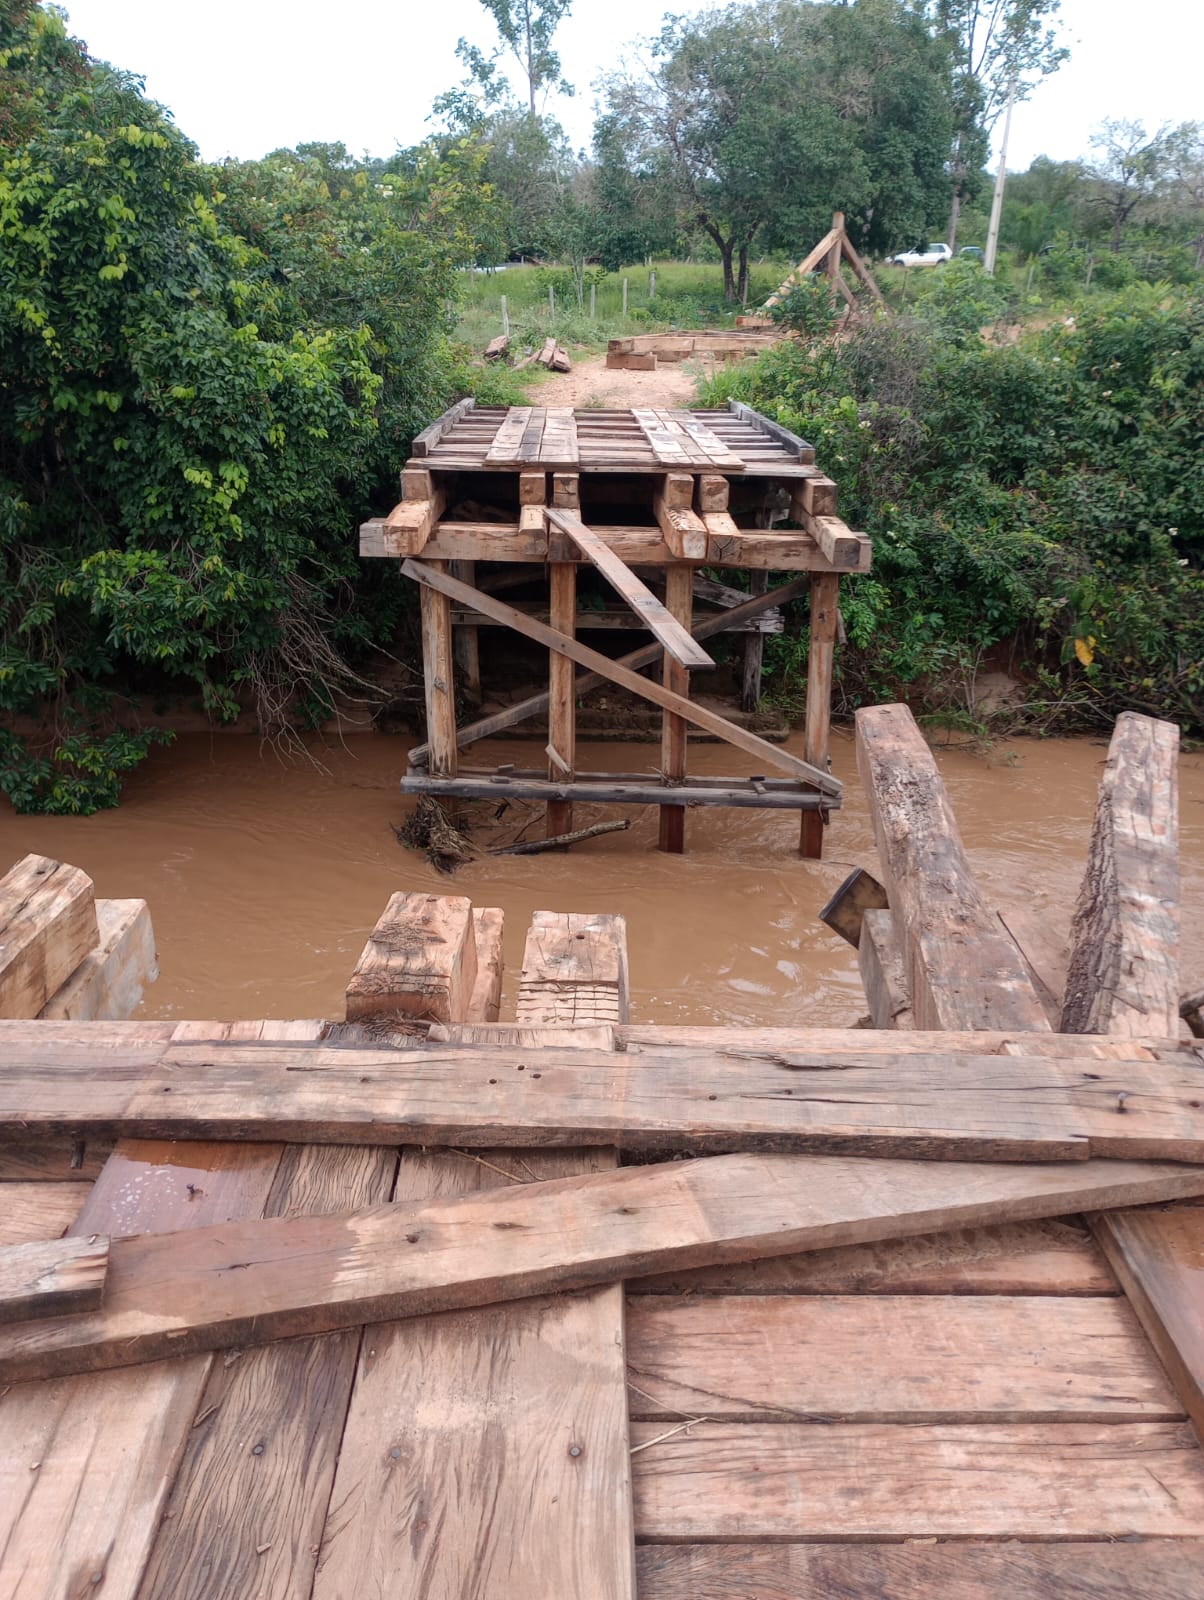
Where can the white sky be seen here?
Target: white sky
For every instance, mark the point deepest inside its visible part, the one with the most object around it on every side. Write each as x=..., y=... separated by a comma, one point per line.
x=247, y=76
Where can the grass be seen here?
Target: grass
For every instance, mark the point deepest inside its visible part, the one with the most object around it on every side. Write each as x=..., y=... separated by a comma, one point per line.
x=688, y=295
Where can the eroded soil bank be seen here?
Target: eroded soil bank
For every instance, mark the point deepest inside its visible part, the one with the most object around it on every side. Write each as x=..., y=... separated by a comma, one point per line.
x=264, y=879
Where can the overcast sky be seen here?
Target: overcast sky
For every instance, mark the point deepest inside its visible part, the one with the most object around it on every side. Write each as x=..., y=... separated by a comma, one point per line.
x=243, y=77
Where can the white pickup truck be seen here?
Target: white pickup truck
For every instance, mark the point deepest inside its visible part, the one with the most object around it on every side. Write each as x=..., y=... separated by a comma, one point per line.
x=932, y=255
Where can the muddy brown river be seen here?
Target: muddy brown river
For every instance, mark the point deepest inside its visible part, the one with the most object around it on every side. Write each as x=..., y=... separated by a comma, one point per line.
x=264, y=879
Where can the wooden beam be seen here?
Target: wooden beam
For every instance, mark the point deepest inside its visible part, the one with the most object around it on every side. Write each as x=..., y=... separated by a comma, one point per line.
x=679, y=600
x=108, y=983
x=700, y=716
x=466, y=640
x=962, y=969
x=659, y=621
x=839, y=544
x=575, y=971
x=47, y=928
x=420, y=961
x=562, y=694
x=798, y=448
x=410, y=524
x=779, y=550
x=747, y=795
x=1033, y=1107
x=883, y=972
x=485, y=1001
x=754, y=653
x=438, y=667
x=52, y=1278
x=809, y=262
x=284, y=1277
x=1123, y=977
x=430, y=436
x=821, y=657
x=685, y=532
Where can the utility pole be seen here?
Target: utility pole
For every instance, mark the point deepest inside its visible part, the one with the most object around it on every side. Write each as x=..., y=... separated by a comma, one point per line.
x=1000, y=180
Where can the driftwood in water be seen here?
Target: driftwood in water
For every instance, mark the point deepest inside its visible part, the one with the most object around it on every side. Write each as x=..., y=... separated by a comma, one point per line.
x=534, y=847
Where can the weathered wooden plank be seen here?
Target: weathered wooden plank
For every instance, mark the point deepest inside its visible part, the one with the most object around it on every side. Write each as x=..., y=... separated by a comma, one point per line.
x=485, y=999
x=679, y=598
x=108, y=983
x=1160, y=1569
x=47, y=927
x=751, y=1358
x=409, y=525
x=700, y=716
x=487, y=1422
x=956, y=1107
x=963, y=971
x=860, y=892
x=507, y=441
x=836, y=540
x=675, y=638
x=561, y=1036
x=438, y=665
x=713, y=448
x=798, y=448
x=52, y=1277
x=420, y=960
x=731, y=546
x=823, y=1042
x=869, y=1480
x=685, y=532
x=430, y=436
x=290, y=1276
x=31, y=1211
x=668, y=449
x=559, y=446
x=1123, y=977
x=575, y=971
x=1052, y=1257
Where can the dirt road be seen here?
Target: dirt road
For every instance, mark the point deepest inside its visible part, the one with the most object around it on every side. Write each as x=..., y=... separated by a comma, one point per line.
x=591, y=384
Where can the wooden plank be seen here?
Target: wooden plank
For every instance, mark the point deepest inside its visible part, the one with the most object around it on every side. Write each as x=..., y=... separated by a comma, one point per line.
x=420, y=960
x=1141, y=1570
x=438, y=665
x=751, y=795
x=290, y=1276
x=986, y=1358
x=1027, y=1107
x=1156, y=1255
x=836, y=540
x=730, y=546
x=1123, y=977
x=1046, y=952
x=52, y=1277
x=714, y=492
x=85, y=1465
x=700, y=716
x=883, y=972
x=47, y=927
x=532, y=442
x=507, y=441
x=703, y=628
x=809, y=262
x=679, y=599
x=821, y=657
x=559, y=447
x=872, y=1480
x=558, y=1035
x=963, y=971
x=30, y=1211
x=820, y=1043
x=575, y=971
x=487, y=1422
x=431, y=435
x=675, y=638
x=668, y=449
x=1051, y=1257
x=108, y=983
x=712, y=446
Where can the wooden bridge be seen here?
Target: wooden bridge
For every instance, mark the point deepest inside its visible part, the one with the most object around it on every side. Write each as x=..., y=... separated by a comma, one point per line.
x=646, y=499
x=412, y=1303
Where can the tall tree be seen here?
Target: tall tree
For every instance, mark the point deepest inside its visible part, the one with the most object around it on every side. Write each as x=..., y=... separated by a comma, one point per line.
x=996, y=44
x=526, y=29
x=1131, y=168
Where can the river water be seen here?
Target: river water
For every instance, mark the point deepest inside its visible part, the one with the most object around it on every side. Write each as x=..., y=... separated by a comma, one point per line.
x=264, y=879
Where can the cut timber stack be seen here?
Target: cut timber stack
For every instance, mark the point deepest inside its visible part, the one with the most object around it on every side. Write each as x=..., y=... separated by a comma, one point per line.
x=612, y=491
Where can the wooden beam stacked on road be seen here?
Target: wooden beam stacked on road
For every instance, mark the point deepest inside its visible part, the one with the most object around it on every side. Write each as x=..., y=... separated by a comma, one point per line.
x=963, y=971
x=47, y=928
x=428, y=575
x=301, y=1275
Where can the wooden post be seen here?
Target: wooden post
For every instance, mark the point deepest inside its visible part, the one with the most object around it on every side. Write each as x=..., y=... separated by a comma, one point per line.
x=679, y=600
x=593, y=302
x=754, y=648
x=562, y=702
x=834, y=255
x=505, y=318
x=575, y=970
x=825, y=604
x=466, y=640
x=652, y=286
x=47, y=927
x=551, y=306
x=439, y=678
x=420, y=961
x=624, y=296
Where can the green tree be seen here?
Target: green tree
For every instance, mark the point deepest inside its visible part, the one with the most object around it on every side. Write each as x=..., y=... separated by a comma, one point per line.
x=526, y=29
x=996, y=45
x=1131, y=169
x=1047, y=200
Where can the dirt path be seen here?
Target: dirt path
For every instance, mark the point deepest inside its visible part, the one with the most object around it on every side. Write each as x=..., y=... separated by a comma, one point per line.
x=591, y=383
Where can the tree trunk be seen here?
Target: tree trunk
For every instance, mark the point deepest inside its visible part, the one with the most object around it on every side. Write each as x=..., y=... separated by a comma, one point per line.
x=742, y=283
x=729, y=277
